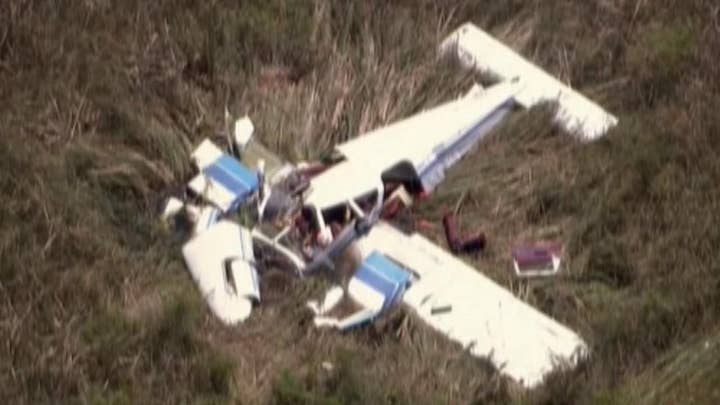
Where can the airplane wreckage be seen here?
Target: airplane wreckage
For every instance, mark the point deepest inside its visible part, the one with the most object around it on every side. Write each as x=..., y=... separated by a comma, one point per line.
x=307, y=216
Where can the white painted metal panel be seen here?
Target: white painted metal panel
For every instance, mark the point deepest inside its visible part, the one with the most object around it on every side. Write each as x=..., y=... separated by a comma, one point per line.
x=365, y=295
x=173, y=206
x=344, y=181
x=205, y=154
x=242, y=132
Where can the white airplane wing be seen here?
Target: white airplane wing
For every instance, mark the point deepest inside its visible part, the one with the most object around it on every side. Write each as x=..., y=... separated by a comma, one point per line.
x=426, y=143
x=471, y=309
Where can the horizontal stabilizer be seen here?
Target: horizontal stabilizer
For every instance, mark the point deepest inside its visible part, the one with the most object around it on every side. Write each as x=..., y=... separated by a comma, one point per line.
x=577, y=114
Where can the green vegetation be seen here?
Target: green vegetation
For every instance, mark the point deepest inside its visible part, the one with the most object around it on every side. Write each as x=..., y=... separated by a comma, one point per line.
x=101, y=102
x=344, y=383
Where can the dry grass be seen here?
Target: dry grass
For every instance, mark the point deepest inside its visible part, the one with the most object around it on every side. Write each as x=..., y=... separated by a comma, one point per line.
x=100, y=104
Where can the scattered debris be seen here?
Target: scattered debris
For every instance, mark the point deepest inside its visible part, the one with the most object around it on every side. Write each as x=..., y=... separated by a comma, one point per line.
x=461, y=244
x=376, y=286
x=242, y=132
x=357, y=319
x=326, y=215
x=173, y=207
x=537, y=260
x=205, y=154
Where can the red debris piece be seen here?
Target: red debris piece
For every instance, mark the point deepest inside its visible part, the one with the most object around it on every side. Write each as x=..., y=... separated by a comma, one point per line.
x=392, y=208
x=313, y=169
x=424, y=225
x=532, y=257
x=537, y=259
x=461, y=244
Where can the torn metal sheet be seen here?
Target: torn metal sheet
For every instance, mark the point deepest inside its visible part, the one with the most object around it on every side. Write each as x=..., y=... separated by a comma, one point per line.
x=485, y=318
x=359, y=318
x=478, y=50
x=173, y=207
x=222, y=263
x=377, y=285
x=398, y=200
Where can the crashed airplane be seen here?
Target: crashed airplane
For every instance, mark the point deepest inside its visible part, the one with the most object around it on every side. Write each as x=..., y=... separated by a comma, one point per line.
x=308, y=217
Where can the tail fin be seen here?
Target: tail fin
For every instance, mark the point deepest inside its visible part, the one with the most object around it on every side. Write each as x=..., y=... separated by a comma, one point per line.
x=577, y=114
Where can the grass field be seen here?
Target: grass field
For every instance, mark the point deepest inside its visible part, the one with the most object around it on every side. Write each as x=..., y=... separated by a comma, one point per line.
x=101, y=103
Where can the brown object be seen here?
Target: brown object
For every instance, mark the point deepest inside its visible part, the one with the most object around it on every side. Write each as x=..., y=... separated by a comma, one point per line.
x=313, y=169
x=392, y=208
x=461, y=243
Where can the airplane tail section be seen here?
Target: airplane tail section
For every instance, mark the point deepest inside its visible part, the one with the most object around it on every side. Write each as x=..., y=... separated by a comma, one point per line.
x=576, y=113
